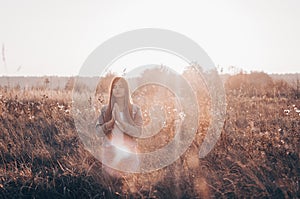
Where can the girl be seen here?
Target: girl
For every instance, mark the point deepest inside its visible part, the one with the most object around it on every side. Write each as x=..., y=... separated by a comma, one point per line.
x=121, y=121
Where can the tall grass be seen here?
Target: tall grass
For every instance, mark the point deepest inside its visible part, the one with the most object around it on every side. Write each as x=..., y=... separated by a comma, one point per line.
x=257, y=154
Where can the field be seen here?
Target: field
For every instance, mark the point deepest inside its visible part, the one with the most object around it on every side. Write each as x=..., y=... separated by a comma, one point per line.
x=257, y=155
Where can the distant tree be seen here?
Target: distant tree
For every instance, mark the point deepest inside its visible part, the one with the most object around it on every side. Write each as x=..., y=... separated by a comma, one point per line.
x=70, y=84
x=281, y=88
x=80, y=87
x=253, y=84
x=46, y=82
x=104, y=83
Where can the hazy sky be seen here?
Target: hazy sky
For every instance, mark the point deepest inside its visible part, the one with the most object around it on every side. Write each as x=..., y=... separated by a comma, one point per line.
x=55, y=37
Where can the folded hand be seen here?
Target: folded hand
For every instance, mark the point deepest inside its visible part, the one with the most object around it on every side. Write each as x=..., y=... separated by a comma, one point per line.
x=116, y=112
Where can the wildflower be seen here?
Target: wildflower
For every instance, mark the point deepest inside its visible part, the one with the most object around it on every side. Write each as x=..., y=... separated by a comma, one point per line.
x=286, y=111
x=61, y=107
x=182, y=115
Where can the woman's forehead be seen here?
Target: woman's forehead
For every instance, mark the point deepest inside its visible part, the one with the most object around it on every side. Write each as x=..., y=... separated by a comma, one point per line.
x=119, y=83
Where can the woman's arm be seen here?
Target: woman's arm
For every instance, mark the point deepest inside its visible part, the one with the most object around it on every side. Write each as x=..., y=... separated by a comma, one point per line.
x=132, y=130
x=102, y=127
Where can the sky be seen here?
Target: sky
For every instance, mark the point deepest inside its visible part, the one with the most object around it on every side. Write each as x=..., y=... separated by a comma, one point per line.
x=56, y=37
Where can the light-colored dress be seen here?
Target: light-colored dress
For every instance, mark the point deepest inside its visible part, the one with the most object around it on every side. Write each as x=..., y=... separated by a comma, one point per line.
x=125, y=149
x=120, y=151
x=117, y=135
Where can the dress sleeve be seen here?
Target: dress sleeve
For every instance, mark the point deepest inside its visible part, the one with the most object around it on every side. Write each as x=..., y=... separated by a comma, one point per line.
x=100, y=129
x=135, y=130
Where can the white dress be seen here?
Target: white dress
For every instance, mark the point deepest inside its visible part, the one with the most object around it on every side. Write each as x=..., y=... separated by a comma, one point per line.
x=117, y=135
x=122, y=152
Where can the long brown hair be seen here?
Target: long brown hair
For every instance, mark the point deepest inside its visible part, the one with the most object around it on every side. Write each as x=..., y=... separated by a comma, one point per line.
x=128, y=104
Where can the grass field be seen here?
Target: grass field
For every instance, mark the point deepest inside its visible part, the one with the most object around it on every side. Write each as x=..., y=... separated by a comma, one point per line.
x=257, y=155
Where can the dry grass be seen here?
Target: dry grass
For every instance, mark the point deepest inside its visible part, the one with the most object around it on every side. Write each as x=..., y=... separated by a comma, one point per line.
x=256, y=156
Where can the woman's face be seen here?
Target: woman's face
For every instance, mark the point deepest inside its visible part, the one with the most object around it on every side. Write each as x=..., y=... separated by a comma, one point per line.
x=118, y=90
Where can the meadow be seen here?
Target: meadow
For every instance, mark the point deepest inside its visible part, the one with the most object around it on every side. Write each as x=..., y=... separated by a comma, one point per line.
x=257, y=154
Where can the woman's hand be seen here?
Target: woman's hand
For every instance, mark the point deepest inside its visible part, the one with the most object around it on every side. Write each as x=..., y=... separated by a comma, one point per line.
x=116, y=115
x=116, y=112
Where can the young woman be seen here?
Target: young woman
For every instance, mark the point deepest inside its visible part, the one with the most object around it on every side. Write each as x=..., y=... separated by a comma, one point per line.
x=121, y=120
